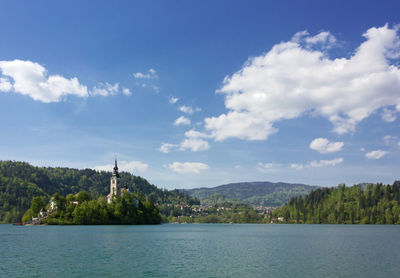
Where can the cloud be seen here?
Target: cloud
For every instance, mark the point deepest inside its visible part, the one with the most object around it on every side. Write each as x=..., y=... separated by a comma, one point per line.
x=317, y=164
x=389, y=115
x=194, y=144
x=268, y=167
x=5, y=85
x=322, y=145
x=188, y=167
x=127, y=166
x=105, y=89
x=126, y=91
x=31, y=79
x=145, y=80
x=377, y=154
x=151, y=74
x=324, y=38
x=389, y=139
x=173, y=100
x=196, y=134
x=188, y=109
x=292, y=80
x=182, y=120
x=166, y=147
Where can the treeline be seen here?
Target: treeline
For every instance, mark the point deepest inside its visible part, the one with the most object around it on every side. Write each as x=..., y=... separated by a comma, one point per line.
x=81, y=209
x=20, y=182
x=359, y=204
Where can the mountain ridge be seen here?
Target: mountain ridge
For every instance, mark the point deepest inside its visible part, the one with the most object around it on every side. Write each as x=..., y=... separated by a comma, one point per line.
x=264, y=193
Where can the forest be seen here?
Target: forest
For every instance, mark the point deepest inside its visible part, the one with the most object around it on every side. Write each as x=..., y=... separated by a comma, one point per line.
x=20, y=182
x=358, y=204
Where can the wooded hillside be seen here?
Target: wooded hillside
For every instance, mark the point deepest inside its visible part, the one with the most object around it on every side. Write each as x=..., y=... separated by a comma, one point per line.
x=365, y=204
x=20, y=181
x=266, y=194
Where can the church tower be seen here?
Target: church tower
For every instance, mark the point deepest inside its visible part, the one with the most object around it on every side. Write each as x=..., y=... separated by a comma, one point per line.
x=114, y=183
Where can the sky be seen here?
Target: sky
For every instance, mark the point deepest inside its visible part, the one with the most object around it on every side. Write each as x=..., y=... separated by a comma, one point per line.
x=202, y=93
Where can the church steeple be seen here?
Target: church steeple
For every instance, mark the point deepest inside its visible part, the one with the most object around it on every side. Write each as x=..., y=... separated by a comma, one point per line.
x=115, y=173
x=114, y=190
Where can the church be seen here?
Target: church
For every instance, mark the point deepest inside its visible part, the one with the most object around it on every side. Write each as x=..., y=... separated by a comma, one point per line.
x=115, y=189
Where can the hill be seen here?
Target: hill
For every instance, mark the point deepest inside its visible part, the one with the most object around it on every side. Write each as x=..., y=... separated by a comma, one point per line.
x=266, y=194
x=359, y=204
x=20, y=181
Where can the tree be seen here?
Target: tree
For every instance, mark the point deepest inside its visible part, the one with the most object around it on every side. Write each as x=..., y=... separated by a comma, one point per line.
x=37, y=204
x=60, y=201
x=83, y=196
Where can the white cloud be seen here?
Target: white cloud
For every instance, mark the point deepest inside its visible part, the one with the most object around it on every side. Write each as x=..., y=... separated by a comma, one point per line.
x=188, y=167
x=182, y=120
x=267, y=167
x=389, y=115
x=105, y=89
x=166, y=147
x=195, y=134
x=126, y=91
x=145, y=80
x=151, y=74
x=389, y=139
x=31, y=79
x=324, y=38
x=323, y=163
x=173, y=100
x=5, y=85
x=297, y=166
x=317, y=164
x=127, y=166
x=377, y=154
x=398, y=144
x=292, y=80
x=323, y=145
x=188, y=109
x=194, y=144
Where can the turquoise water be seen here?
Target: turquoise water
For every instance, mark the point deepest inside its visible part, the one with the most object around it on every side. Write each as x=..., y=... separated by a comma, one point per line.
x=203, y=250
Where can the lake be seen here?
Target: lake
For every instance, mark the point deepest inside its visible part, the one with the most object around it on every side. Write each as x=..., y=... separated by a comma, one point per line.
x=200, y=250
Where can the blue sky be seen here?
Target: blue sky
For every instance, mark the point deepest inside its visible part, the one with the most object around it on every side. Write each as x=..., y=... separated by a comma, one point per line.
x=202, y=93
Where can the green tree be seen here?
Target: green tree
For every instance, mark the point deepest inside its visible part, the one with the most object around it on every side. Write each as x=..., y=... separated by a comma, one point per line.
x=37, y=204
x=83, y=196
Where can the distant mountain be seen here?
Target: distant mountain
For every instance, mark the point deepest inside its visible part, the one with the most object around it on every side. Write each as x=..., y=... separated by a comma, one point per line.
x=20, y=181
x=267, y=194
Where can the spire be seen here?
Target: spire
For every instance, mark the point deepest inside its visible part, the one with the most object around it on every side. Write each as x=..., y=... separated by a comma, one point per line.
x=115, y=173
x=116, y=167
